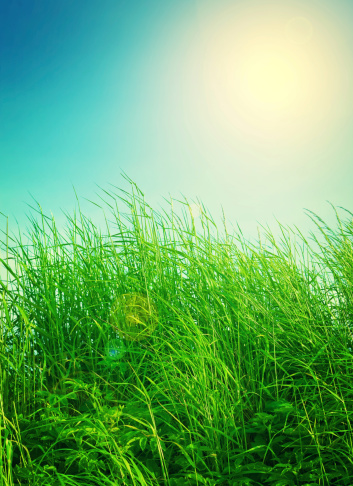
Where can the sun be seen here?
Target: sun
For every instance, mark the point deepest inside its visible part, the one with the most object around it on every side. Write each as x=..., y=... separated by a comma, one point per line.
x=270, y=80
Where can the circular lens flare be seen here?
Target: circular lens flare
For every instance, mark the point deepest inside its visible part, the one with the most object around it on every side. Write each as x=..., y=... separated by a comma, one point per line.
x=195, y=210
x=133, y=316
x=115, y=349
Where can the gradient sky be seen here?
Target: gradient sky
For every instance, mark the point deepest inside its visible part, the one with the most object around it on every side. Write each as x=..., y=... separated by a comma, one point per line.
x=244, y=104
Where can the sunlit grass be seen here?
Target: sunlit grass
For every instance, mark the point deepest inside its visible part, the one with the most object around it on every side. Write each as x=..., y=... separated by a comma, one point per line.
x=156, y=355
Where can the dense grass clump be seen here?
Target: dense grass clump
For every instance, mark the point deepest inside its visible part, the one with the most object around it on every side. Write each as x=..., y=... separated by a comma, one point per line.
x=158, y=356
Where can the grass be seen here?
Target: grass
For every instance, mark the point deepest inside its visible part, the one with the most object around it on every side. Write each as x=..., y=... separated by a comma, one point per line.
x=157, y=356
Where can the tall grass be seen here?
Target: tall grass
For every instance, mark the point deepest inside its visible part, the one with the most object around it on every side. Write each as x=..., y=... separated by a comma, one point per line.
x=243, y=376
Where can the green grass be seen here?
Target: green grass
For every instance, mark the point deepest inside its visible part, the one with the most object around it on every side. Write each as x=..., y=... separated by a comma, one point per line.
x=243, y=374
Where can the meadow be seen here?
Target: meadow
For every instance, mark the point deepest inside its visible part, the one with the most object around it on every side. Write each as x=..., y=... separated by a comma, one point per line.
x=156, y=355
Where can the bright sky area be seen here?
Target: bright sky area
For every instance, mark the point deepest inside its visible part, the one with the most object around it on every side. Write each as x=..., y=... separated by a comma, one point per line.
x=241, y=104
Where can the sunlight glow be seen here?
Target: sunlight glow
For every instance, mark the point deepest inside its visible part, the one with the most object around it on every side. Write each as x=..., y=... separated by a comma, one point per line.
x=272, y=79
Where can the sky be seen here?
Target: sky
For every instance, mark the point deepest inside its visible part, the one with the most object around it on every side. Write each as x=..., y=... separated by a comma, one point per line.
x=241, y=105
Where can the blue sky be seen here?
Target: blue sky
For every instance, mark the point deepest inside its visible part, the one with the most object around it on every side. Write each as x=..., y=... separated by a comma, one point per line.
x=247, y=105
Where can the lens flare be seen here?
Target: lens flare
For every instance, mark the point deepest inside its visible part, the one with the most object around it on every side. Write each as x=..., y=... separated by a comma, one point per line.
x=134, y=316
x=195, y=210
x=115, y=349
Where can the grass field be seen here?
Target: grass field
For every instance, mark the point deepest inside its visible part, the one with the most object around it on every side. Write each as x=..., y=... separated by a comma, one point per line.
x=159, y=356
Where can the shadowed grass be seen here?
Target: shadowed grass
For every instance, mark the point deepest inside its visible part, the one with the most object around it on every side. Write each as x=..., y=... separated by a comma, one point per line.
x=155, y=355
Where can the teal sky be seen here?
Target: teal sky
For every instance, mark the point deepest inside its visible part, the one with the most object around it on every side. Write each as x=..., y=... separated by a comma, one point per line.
x=244, y=104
